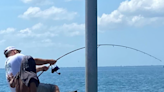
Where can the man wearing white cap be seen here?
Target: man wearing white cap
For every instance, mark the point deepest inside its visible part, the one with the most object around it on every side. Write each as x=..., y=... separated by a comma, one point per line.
x=13, y=64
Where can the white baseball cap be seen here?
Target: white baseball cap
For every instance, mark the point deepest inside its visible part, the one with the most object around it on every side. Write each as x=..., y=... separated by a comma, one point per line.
x=10, y=48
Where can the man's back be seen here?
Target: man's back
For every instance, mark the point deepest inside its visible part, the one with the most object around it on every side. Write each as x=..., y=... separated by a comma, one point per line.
x=12, y=65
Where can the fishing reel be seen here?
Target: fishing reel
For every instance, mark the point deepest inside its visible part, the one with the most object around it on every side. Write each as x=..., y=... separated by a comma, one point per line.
x=55, y=69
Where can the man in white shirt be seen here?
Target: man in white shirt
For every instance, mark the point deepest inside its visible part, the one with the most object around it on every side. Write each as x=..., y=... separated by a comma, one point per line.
x=26, y=79
x=13, y=64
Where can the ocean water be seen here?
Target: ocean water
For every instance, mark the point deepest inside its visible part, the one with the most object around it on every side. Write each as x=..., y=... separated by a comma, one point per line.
x=110, y=79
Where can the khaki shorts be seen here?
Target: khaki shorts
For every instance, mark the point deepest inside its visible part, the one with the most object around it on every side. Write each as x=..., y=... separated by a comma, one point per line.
x=45, y=87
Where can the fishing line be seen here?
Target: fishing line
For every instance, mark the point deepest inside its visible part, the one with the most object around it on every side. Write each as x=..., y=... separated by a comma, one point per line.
x=105, y=45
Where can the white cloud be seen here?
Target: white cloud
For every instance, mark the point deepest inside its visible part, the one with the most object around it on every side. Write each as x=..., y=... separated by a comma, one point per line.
x=2, y=41
x=144, y=7
x=41, y=35
x=44, y=43
x=135, y=13
x=37, y=2
x=38, y=30
x=73, y=29
x=49, y=42
x=8, y=30
x=113, y=20
x=72, y=0
x=37, y=26
x=46, y=40
x=26, y=1
x=43, y=31
x=68, y=0
x=26, y=31
x=51, y=13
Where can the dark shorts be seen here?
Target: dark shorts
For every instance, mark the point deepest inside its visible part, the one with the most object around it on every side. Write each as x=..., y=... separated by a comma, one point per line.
x=45, y=87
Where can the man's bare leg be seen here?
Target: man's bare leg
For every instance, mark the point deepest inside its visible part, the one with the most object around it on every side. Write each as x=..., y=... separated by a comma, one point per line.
x=56, y=89
x=33, y=87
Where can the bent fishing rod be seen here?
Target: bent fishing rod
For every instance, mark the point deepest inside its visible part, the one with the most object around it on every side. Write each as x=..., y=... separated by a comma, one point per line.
x=56, y=68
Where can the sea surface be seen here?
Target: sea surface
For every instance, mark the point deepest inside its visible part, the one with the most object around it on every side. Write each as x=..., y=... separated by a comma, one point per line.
x=110, y=79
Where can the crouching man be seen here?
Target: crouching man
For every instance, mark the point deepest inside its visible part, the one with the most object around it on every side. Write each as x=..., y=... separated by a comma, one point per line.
x=22, y=75
x=26, y=79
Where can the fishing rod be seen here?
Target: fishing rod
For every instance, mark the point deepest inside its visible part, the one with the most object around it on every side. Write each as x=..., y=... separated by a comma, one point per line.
x=56, y=68
x=130, y=48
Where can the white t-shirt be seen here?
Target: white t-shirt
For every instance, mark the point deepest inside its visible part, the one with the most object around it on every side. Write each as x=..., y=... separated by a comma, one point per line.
x=12, y=65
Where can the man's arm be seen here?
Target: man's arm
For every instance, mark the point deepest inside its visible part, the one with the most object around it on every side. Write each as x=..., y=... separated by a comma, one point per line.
x=39, y=61
x=11, y=80
x=41, y=68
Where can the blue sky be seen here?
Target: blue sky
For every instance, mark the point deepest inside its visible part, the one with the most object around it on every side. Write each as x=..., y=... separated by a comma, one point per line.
x=51, y=28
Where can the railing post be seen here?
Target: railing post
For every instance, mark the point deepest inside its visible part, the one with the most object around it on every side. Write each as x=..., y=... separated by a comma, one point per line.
x=91, y=45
